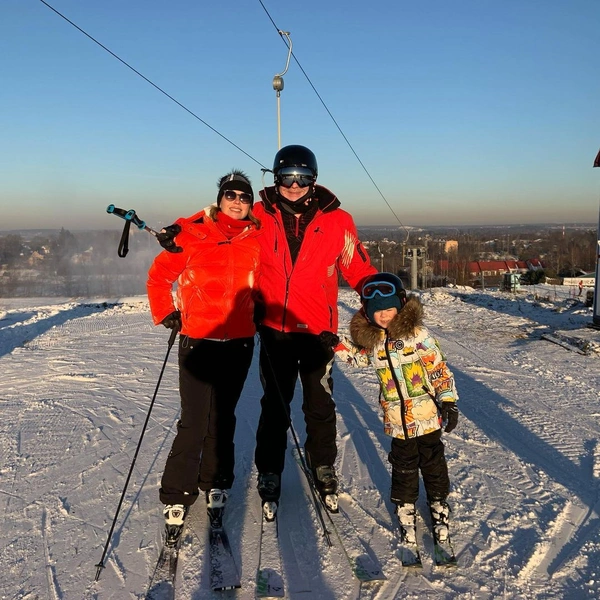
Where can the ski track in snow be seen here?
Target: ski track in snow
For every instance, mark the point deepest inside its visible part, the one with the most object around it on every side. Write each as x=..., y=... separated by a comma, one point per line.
x=77, y=382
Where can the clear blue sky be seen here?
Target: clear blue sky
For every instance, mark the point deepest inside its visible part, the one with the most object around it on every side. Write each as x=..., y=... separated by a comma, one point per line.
x=462, y=111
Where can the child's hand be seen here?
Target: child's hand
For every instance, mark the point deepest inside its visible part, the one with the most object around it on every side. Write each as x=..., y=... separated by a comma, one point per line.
x=449, y=415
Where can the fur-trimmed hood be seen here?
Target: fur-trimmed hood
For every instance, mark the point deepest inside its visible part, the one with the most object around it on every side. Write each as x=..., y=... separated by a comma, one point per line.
x=402, y=326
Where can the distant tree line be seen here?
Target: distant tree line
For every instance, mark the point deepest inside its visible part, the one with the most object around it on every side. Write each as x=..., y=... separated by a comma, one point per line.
x=79, y=264
x=85, y=263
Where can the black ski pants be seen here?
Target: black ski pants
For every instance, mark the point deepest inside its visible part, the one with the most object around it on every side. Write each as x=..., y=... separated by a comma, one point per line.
x=424, y=453
x=284, y=357
x=211, y=379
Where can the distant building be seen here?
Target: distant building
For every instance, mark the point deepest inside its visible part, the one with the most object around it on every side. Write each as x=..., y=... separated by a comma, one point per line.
x=488, y=272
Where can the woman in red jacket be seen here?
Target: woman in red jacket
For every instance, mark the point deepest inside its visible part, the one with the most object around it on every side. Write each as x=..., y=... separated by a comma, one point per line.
x=215, y=269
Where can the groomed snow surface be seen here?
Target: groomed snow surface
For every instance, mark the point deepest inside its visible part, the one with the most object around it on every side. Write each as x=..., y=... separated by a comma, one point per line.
x=77, y=379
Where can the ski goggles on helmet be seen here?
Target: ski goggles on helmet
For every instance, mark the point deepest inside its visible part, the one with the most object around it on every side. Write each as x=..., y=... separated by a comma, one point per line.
x=381, y=288
x=244, y=197
x=287, y=176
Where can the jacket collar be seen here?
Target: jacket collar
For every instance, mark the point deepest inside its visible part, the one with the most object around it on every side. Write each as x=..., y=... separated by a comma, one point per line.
x=326, y=199
x=402, y=326
x=200, y=223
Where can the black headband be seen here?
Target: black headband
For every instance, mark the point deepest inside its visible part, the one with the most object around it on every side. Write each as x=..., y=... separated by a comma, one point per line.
x=235, y=184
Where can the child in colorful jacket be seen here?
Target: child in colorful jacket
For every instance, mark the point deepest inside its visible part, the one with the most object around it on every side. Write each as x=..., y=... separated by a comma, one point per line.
x=418, y=395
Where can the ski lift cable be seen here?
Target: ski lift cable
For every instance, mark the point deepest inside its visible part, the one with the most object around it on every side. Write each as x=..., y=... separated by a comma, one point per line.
x=152, y=83
x=215, y=130
x=285, y=41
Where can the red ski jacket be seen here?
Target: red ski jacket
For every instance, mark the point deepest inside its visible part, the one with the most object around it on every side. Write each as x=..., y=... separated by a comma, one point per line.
x=216, y=280
x=303, y=297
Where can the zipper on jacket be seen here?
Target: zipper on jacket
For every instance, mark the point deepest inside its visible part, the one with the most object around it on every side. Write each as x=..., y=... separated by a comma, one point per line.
x=281, y=231
x=395, y=378
x=330, y=310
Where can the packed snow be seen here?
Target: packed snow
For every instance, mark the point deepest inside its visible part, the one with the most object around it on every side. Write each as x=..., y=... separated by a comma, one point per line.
x=78, y=377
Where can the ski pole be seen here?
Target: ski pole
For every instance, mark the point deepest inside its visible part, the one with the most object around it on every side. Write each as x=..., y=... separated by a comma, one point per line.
x=100, y=565
x=130, y=216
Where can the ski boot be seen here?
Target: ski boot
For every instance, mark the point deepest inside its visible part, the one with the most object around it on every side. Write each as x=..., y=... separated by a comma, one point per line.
x=440, y=517
x=408, y=547
x=215, y=506
x=326, y=483
x=407, y=517
x=174, y=518
x=269, y=490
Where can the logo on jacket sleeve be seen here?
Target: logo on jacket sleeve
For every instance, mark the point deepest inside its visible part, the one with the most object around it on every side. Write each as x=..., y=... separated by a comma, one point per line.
x=348, y=251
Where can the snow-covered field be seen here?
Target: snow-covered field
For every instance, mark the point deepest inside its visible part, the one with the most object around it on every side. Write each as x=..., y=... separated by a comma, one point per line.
x=77, y=378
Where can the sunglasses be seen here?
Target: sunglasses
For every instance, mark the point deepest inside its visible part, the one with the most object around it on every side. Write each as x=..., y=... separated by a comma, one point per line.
x=244, y=197
x=385, y=289
x=286, y=177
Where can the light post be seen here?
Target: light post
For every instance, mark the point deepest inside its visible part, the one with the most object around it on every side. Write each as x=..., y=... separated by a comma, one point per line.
x=596, y=309
x=278, y=85
x=414, y=254
x=380, y=258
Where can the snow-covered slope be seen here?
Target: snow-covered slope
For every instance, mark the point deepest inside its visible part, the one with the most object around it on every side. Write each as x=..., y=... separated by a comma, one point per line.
x=77, y=379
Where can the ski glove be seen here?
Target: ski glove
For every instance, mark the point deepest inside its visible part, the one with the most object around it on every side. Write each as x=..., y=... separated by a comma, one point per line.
x=166, y=238
x=449, y=415
x=172, y=321
x=329, y=339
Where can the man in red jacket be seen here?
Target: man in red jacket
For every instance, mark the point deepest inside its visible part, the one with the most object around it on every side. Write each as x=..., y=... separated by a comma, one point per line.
x=307, y=239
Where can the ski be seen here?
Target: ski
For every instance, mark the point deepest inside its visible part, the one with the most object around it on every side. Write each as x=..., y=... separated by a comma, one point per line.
x=223, y=570
x=363, y=567
x=443, y=553
x=269, y=580
x=162, y=582
x=410, y=556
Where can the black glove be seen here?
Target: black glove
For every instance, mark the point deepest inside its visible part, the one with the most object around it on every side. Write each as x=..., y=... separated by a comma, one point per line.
x=449, y=415
x=172, y=321
x=166, y=238
x=329, y=339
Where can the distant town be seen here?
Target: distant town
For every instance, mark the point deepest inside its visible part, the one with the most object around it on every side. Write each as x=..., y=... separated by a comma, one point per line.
x=38, y=263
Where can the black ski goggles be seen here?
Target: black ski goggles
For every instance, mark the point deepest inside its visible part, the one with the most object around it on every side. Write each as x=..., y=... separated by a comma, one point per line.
x=231, y=196
x=287, y=176
x=385, y=289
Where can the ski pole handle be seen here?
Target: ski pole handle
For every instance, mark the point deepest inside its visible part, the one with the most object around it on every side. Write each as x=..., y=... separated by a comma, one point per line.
x=173, y=335
x=131, y=216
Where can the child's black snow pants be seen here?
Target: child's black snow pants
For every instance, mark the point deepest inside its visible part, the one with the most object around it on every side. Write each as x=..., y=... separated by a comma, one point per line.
x=424, y=453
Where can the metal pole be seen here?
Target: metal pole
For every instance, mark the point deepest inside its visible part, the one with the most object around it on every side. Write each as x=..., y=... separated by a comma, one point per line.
x=596, y=313
x=278, y=84
x=279, y=117
x=413, y=271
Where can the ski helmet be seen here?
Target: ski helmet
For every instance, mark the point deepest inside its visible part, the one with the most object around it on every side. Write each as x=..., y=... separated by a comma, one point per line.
x=381, y=291
x=295, y=156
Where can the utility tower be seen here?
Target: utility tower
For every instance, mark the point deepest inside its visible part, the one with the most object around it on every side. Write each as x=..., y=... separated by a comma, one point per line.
x=415, y=253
